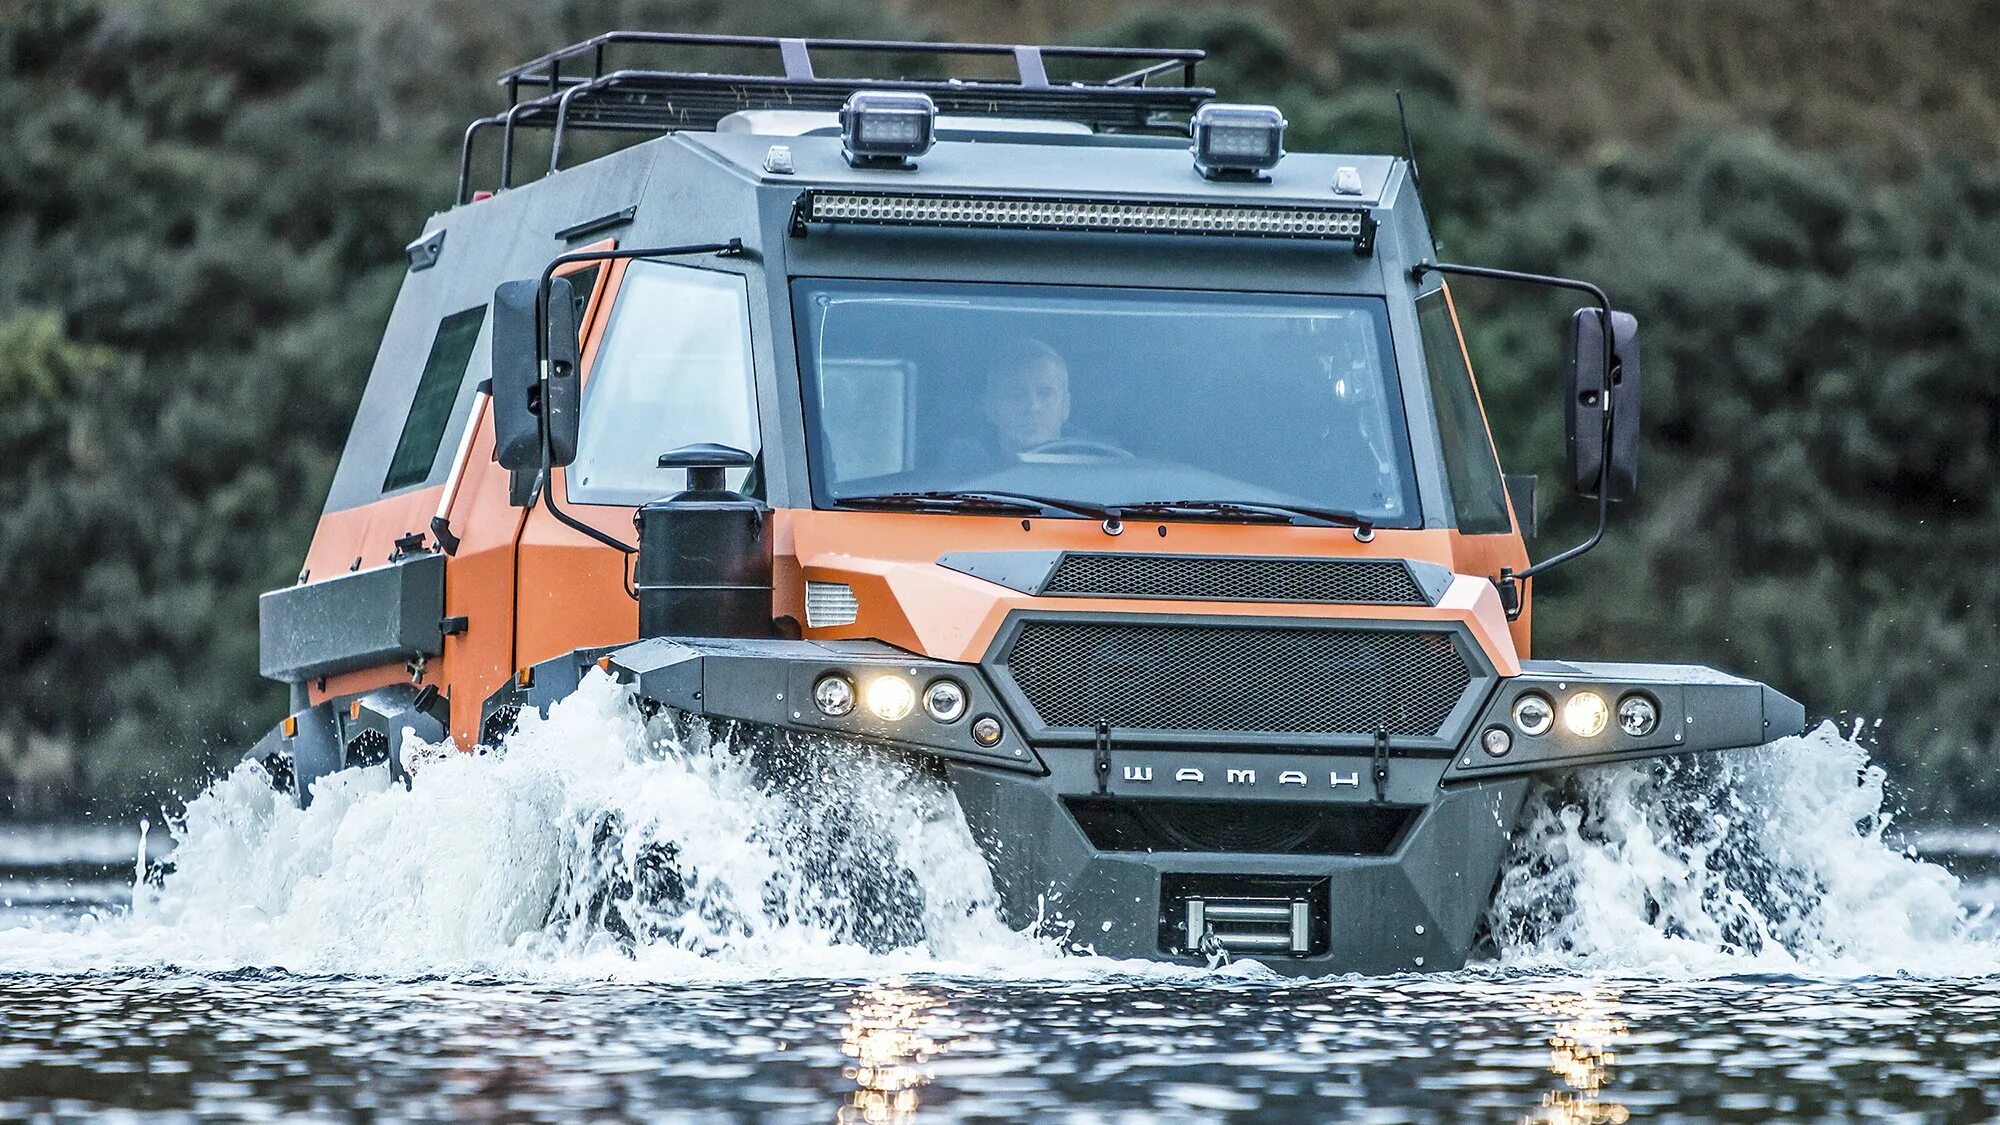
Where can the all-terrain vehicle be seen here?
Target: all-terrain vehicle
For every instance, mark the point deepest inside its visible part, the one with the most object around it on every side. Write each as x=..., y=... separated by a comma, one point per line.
x=1061, y=433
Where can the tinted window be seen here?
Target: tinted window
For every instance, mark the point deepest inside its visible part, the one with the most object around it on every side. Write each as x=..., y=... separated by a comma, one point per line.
x=437, y=390
x=673, y=369
x=1103, y=395
x=1477, y=495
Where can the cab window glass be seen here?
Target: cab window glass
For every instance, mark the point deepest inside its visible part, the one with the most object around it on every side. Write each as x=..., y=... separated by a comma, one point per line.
x=673, y=369
x=430, y=407
x=1477, y=494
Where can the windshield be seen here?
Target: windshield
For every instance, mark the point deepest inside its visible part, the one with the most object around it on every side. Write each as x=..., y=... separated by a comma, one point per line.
x=1104, y=396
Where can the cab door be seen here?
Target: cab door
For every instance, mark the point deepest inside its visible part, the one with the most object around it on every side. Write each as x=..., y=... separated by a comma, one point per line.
x=479, y=651
x=670, y=365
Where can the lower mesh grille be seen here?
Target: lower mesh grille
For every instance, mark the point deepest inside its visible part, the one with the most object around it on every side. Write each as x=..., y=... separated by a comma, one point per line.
x=1222, y=578
x=1280, y=679
x=1266, y=828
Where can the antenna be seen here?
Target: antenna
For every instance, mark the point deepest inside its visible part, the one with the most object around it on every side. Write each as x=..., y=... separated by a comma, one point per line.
x=1416, y=178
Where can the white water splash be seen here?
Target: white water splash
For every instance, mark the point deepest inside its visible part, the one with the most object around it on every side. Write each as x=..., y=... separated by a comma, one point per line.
x=1772, y=859
x=592, y=844
x=545, y=857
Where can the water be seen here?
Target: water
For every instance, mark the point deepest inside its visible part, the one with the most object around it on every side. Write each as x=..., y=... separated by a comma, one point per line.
x=1744, y=937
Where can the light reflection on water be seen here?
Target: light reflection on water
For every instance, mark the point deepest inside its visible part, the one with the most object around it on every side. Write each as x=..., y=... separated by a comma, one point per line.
x=1582, y=1051
x=1470, y=1047
x=891, y=1034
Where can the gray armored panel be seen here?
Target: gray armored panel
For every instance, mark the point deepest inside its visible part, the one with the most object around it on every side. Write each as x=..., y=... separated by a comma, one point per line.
x=770, y=683
x=354, y=621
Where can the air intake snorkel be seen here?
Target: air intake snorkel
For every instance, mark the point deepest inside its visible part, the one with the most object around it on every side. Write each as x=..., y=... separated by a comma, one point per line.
x=704, y=566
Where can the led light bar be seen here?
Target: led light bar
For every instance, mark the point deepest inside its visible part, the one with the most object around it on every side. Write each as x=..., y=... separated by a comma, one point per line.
x=1048, y=213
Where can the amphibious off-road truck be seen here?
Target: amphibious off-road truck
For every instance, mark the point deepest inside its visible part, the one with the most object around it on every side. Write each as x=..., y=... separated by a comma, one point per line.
x=1059, y=432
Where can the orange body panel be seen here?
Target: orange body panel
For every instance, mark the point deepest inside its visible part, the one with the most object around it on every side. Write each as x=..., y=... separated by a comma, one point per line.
x=907, y=600
x=361, y=539
x=571, y=588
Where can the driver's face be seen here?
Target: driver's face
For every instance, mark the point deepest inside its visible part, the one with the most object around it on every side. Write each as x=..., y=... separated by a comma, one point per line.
x=1028, y=405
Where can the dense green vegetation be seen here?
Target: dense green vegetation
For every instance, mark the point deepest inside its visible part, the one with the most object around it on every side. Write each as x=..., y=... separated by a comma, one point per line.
x=203, y=205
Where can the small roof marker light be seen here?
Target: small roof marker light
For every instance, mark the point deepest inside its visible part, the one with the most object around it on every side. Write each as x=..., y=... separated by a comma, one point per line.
x=778, y=160
x=1347, y=180
x=1241, y=142
x=887, y=128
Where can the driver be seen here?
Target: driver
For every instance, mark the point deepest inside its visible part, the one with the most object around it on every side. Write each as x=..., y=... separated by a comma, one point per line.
x=1026, y=400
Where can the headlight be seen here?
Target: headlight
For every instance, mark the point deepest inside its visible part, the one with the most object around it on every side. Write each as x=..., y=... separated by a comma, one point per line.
x=1534, y=714
x=1496, y=741
x=891, y=698
x=944, y=700
x=834, y=695
x=1637, y=715
x=1585, y=714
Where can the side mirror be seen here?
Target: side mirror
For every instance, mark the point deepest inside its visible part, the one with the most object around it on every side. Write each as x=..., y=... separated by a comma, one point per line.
x=521, y=405
x=1583, y=419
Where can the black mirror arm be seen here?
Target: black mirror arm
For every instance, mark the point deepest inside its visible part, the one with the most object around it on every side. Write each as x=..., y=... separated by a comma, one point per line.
x=1603, y=303
x=544, y=475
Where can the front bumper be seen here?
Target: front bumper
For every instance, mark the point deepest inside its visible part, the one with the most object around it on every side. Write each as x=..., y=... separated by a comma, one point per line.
x=1414, y=906
x=1363, y=861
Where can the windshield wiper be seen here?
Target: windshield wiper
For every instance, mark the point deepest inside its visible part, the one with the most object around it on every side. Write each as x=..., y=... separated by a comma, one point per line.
x=1285, y=513
x=973, y=500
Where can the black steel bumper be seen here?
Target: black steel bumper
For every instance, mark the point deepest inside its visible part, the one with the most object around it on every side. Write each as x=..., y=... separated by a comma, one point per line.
x=1310, y=861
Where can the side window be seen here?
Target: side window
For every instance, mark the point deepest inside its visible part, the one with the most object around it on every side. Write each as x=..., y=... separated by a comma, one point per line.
x=1477, y=494
x=437, y=390
x=673, y=369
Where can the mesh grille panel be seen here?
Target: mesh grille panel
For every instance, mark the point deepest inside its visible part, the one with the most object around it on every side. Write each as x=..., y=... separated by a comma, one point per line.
x=1356, y=581
x=1283, y=679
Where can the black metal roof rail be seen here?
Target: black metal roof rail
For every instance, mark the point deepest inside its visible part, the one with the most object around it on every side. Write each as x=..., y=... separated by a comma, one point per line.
x=578, y=87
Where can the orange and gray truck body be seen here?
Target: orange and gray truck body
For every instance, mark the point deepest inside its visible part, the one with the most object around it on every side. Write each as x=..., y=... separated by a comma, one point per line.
x=1171, y=471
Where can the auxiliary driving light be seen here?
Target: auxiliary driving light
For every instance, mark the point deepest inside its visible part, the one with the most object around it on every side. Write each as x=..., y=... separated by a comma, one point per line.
x=890, y=698
x=887, y=128
x=1237, y=141
x=1637, y=715
x=1534, y=714
x=1585, y=714
x=945, y=700
x=834, y=695
x=986, y=730
x=1496, y=741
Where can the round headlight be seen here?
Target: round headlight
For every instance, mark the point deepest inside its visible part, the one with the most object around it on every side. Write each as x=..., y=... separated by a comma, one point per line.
x=1585, y=714
x=834, y=695
x=1637, y=715
x=986, y=730
x=1534, y=714
x=1496, y=741
x=944, y=700
x=891, y=698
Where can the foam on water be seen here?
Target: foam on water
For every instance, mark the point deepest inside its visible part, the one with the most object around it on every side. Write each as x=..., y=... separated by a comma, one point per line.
x=596, y=844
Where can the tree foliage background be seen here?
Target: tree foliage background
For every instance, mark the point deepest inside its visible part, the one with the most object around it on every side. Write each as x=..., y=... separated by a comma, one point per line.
x=203, y=204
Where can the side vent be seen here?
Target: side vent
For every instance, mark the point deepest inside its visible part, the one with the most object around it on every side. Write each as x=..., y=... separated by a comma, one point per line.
x=829, y=604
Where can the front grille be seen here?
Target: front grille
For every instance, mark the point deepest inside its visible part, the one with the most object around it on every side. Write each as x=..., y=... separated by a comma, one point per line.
x=1258, y=678
x=1222, y=578
x=1253, y=827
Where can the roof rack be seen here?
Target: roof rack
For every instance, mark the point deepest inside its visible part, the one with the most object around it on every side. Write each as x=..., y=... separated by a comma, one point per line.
x=578, y=88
